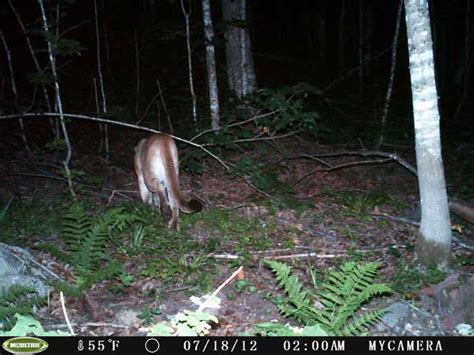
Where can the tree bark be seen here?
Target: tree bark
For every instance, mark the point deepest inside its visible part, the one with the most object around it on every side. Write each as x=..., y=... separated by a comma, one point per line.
x=238, y=49
x=52, y=61
x=211, y=65
x=434, y=243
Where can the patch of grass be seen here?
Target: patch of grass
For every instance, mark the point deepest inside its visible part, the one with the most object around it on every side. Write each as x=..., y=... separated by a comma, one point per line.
x=410, y=279
x=360, y=204
x=32, y=219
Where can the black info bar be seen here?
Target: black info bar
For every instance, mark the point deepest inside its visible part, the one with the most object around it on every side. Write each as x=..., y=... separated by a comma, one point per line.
x=237, y=345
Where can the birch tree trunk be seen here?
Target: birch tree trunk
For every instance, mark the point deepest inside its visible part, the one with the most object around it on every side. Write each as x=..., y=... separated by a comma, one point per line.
x=433, y=246
x=211, y=64
x=238, y=49
x=52, y=61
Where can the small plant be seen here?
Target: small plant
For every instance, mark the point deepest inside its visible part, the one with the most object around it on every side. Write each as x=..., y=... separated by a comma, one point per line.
x=188, y=323
x=26, y=325
x=87, y=239
x=18, y=299
x=338, y=298
x=291, y=111
x=4, y=209
x=409, y=280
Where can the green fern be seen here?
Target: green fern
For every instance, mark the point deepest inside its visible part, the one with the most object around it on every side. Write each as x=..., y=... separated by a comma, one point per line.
x=17, y=299
x=87, y=239
x=341, y=295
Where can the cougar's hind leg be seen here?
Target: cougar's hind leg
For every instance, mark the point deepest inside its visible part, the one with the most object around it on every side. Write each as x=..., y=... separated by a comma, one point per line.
x=173, y=223
x=160, y=195
x=145, y=194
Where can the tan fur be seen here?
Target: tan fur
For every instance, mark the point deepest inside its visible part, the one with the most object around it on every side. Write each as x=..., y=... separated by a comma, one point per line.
x=157, y=168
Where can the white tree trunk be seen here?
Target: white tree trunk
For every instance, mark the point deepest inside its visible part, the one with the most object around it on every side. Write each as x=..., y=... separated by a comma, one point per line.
x=52, y=61
x=434, y=244
x=211, y=64
x=238, y=49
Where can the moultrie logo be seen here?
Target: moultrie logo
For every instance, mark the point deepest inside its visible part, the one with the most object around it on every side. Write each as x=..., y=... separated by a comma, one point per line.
x=27, y=345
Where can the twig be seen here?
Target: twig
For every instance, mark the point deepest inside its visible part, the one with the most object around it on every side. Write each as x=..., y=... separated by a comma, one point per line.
x=247, y=180
x=61, y=296
x=330, y=167
x=36, y=176
x=163, y=103
x=148, y=107
x=229, y=279
x=91, y=324
x=305, y=255
x=256, y=139
x=118, y=192
x=240, y=123
x=341, y=166
x=73, y=28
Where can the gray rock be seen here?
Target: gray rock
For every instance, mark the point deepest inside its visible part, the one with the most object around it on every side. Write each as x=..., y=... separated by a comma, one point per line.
x=18, y=266
x=397, y=311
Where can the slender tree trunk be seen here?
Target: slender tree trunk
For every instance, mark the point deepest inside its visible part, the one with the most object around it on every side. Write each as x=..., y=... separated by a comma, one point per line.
x=13, y=86
x=35, y=62
x=101, y=83
x=238, y=49
x=341, y=43
x=187, y=15
x=434, y=243
x=52, y=61
x=137, y=61
x=361, y=47
x=388, y=96
x=211, y=64
x=467, y=59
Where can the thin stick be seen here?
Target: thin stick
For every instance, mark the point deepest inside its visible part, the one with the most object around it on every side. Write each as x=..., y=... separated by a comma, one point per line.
x=388, y=96
x=61, y=296
x=229, y=279
x=35, y=60
x=163, y=103
x=305, y=255
x=101, y=83
x=235, y=124
x=187, y=15
x=90, y=324
x=148, y=107
x=13, y=87
x=137, y=63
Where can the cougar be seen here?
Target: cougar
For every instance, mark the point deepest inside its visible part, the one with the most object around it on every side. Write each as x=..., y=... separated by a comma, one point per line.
x=157, y=168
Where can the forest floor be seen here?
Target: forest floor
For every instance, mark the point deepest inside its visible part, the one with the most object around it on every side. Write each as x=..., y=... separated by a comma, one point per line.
x=361, y=213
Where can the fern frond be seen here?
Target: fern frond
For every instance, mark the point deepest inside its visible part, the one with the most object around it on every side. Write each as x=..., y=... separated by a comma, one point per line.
x=342, y=294
x=18, y=299
x=359, y=326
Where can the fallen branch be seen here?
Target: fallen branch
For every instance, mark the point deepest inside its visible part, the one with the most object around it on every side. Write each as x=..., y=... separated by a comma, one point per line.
x=117, y=123
x=305, y=255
